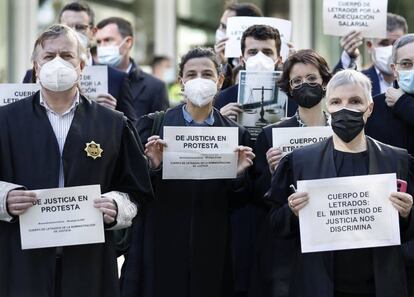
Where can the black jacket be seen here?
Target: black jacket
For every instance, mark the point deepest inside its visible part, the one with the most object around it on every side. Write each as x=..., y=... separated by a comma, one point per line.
x=313, y=272
x=29, y=156
x=393, y=125
x=149, y=94
x=182, y=247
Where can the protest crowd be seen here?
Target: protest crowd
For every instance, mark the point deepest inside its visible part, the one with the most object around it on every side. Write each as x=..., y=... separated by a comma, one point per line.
x=273, y=175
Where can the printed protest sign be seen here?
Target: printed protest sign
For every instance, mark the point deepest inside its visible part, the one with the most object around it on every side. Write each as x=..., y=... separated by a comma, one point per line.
x=94, y=81
x=367, y=16
x=291, y=138
x=61, y=217
x=237, y=25
x=200, y=152
x=348, y=213
x=10, y=93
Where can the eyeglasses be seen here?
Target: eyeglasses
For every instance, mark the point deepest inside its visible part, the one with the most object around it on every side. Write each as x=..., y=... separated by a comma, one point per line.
x=311, y=79
x=406, y=64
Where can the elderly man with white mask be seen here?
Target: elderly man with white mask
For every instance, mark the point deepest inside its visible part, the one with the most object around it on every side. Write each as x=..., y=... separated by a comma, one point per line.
x=58, y=138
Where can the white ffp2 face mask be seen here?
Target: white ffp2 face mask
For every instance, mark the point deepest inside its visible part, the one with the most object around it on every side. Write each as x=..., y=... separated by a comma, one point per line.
x=58, y=75
x=200, y=91
x=382, y=58
x=260, y=62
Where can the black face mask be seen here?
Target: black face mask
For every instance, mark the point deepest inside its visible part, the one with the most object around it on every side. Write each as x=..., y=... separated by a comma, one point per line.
x=347, y=124
x=308, y=96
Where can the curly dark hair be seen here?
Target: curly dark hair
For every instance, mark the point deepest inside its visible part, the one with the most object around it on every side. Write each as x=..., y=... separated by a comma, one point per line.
x=261, y=32
x=199, y=52
x=306, y=56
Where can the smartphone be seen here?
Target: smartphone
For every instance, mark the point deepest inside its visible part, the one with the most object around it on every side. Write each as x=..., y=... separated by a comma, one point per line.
x=401, y=186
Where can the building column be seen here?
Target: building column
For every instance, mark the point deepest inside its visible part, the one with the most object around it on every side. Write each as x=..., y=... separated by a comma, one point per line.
x=165, y=15
x=22, y=33
x=301, y=17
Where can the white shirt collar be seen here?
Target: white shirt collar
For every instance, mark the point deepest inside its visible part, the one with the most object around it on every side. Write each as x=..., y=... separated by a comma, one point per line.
x=129, y=68
x=75, y=103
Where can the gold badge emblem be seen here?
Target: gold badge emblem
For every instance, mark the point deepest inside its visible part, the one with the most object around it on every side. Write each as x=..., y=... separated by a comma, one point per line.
x=93, y=150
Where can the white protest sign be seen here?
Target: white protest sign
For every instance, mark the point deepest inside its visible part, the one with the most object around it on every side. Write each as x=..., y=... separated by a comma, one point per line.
x=348, y=213
x=10, y=93
x=237, y=25
x=367, y=16
x=291, y=138
x=94, y=81
x=200, y=152
x=61, y=217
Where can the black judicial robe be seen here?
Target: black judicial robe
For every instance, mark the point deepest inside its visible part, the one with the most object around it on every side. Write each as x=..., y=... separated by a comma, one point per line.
x=273, y=255
x=29, y=156
x=182, y=246
x=313, y=272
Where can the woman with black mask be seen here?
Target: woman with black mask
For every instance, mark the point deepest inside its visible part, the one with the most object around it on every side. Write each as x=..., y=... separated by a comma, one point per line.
x=304, y=78
x=368, y=272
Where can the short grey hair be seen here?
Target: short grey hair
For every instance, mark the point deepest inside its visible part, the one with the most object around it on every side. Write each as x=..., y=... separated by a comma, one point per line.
x=350, y=77
x=53, y=32
x=400, y=42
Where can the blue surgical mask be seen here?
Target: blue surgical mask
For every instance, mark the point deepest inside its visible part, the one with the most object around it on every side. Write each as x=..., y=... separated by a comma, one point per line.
x=169, y=75
x=406, y=80
x=110, y=55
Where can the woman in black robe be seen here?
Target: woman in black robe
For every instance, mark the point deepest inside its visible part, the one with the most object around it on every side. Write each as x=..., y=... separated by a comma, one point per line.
x=181, y=248
x=305, y=76
x=349, y=273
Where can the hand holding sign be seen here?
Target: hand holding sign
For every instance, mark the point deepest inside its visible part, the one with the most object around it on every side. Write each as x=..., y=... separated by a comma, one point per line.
x=351, y=42
x=403, y=202
x=297, y=201
x=153, y=150
x=18, y=201
x=245, y=159
x=107, y=100
x=273, y=156
x=219, y=49
x=231, y=110
x=108, y=207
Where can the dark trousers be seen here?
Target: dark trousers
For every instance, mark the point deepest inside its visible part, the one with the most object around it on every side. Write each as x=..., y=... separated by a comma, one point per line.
x=58, y=277
x=340, y=294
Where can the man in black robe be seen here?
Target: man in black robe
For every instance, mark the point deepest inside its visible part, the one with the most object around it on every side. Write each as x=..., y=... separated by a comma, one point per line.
x=44, y=143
